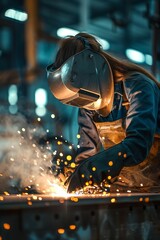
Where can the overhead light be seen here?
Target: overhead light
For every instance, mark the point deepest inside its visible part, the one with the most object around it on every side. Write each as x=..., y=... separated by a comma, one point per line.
x=12, y=95
x=41, y=111
x=135, y=55
x=148, y=59
x=15, y=14
x=64, y=32
x=41, y=101
x=41, y=97
x=105, y=44
x=13, y=99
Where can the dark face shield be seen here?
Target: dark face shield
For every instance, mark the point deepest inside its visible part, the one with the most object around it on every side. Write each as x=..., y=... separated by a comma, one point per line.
x=85, y=80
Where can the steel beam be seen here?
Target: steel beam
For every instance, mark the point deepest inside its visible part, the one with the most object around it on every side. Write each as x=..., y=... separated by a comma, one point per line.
x=74, y=217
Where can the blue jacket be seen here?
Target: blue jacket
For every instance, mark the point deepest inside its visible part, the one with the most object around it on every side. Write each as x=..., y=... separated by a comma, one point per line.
x=141, y=121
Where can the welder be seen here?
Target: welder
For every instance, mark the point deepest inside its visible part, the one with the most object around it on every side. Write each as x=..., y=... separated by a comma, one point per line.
x=119, y=115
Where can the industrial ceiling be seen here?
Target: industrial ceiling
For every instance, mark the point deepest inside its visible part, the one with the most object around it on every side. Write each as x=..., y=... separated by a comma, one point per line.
x=29, y=44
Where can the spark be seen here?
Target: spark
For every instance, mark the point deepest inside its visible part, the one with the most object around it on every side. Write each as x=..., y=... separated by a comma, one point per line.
x=58, y=189
x=73, y=165
x=113, y=200
x=61, y=230
x=146, y=199
x=6, y=226
x=110, y=163
x=78, y=136
x=93, y=169
x=72, y=227
x=6, y=193
x=69, y=157
x=129, y=191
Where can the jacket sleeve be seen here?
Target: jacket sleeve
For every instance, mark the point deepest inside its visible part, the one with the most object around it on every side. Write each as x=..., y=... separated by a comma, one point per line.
x=89, y=141
x=141, y=119
x=140, y=124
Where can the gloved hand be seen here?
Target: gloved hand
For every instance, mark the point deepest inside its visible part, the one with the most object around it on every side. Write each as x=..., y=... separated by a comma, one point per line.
x=94, y=170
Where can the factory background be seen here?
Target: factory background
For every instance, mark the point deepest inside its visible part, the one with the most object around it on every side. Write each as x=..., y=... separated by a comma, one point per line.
x=30, y=31
x=29, y=35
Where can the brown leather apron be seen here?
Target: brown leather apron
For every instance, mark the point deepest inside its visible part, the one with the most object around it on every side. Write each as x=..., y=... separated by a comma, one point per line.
x=144, y=177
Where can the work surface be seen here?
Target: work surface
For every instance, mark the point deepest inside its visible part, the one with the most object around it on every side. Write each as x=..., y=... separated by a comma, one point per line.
x=76, y=217
x=42, y=200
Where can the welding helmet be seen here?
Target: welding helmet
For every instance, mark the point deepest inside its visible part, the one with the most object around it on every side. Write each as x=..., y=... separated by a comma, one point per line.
x=84, y=80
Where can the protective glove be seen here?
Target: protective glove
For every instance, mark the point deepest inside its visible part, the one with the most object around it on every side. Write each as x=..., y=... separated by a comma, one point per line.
x=95, y=169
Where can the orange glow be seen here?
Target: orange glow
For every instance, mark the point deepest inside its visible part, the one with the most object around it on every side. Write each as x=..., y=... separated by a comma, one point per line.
x=113, y=200
x=29, y=203
x=124, y=155
x=93, y=169
x=146, y=199
x=6, y=226
x=6, y=193
x=61, y=230
x=110, y=163
x=74, y=199
x=61, y=200
x=72, y=227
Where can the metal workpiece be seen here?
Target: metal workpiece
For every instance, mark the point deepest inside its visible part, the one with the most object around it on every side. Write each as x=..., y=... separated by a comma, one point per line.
x=76, y=217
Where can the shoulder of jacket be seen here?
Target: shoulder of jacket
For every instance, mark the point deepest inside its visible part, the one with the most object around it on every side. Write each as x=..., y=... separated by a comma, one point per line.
x=135, y=77
x=137, y=80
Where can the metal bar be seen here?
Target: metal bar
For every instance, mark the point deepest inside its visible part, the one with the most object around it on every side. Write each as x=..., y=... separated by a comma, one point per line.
x=110, y=217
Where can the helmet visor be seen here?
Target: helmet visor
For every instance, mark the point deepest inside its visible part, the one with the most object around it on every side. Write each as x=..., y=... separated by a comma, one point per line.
x=84, y=80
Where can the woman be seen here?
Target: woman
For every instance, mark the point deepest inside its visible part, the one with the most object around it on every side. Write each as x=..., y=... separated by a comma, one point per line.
x=119, y=109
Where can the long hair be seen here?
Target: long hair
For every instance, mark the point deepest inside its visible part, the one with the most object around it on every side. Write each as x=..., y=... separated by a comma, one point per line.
x=73, y=44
